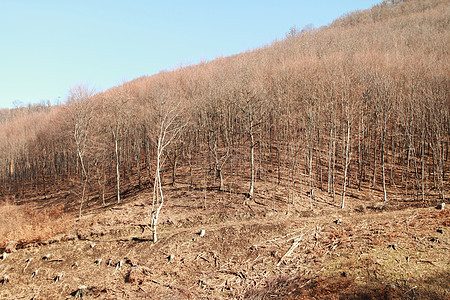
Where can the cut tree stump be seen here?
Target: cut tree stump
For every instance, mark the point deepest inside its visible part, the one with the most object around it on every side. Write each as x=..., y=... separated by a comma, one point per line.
x=58, y=277
x=80, y=292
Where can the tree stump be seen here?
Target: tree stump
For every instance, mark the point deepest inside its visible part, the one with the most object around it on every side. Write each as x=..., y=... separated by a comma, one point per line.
x=80, y=292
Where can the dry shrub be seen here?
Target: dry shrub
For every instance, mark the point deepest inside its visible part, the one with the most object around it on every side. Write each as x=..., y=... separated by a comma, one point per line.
x=24, y=224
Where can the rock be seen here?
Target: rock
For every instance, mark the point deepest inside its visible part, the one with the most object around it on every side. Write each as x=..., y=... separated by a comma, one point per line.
x=46, y=257
x=441, y=206
x=34, y=274
x=109, y=262
x=5, y=279
x=92, y=245
x=338, y=221
x=98, y=261
x=11, y=246
x=4, y=255
x=171, y=257
x=202, y=233
x=74, y=265
x=440, y=230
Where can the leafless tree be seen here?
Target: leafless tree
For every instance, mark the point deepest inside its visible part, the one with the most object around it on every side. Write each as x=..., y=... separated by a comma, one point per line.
x=82, y=112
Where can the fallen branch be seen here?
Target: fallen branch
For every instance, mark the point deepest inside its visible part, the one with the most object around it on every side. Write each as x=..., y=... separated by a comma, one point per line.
x=427, y=261
x=240, y=274
x=289, y=252
x=284, y=236
x=201, y=257
x=167, y=285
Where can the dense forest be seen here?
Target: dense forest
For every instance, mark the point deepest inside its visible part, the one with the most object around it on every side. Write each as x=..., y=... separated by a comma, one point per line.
x=362, y=103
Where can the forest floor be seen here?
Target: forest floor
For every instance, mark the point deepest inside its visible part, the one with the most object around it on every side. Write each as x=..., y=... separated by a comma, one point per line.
x=263, y=249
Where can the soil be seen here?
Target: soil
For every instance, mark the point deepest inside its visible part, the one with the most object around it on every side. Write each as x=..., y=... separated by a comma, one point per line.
x=265, y=248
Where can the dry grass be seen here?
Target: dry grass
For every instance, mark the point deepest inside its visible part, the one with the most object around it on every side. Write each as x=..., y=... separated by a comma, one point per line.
x=22, y=224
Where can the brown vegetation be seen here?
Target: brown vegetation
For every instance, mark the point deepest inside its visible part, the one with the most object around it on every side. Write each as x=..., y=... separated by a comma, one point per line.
x=340, y=106
x=24, y=224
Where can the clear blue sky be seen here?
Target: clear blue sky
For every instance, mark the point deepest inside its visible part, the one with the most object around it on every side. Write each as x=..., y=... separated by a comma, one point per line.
x=46, y=46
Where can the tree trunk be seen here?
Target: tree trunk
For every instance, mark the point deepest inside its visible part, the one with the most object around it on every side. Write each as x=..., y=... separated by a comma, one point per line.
x=423, y=165
x=347, y=161
x=220, y=175
x=174, y=166
x=383, y=147
x=117, y=166
x=252, y=162
x=330, y=145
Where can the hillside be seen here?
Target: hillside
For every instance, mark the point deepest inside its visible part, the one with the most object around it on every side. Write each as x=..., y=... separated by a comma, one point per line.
x=374, y=253
x=314, y=164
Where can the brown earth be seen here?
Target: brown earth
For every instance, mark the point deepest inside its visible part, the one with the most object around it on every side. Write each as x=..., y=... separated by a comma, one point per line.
x=265, y=249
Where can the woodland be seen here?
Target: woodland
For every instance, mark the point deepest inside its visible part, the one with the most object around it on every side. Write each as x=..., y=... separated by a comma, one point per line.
x=360, y=104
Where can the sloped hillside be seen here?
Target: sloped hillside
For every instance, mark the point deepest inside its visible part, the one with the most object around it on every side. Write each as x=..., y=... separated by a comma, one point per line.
x=316, y=166
x=246, y=252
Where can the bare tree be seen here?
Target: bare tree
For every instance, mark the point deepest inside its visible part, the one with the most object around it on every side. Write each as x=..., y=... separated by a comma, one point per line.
x=81, y=112
x=250, y=100
x=168, y=123
x=116, y=106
